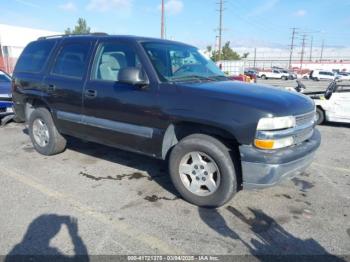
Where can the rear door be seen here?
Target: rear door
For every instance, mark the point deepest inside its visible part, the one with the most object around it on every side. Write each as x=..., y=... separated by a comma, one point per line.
x=117, y=113
x=64, y=84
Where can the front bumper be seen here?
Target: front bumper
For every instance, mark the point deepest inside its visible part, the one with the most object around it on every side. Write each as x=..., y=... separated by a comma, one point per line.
x=262, y=169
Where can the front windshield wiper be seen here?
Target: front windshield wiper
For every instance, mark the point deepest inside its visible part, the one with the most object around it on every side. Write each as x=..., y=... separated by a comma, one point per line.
x=197, y=77
x=218, y=77
x=190, y=78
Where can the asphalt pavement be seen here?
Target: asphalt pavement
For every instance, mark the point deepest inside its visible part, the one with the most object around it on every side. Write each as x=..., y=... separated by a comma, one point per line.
x=95, y=200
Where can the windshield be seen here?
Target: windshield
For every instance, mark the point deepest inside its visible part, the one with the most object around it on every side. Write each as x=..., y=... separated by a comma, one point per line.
x=176, y=62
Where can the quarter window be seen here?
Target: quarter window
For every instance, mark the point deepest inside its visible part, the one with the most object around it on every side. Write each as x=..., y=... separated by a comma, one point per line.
x=72, y=60
x=34, y=57
x=111, y=58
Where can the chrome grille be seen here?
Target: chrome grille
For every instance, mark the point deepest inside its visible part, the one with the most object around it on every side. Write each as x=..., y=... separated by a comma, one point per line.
x=305, y=118
x=307, y=132
x=303, y=135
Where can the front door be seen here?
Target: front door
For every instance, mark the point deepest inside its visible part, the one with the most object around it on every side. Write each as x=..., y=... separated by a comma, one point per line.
x=116, y=113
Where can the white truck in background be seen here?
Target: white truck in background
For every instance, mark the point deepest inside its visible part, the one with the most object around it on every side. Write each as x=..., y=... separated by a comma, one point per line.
x=273, y=74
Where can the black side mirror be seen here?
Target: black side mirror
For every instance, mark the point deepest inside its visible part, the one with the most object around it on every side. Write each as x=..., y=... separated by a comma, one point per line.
x=133, y=76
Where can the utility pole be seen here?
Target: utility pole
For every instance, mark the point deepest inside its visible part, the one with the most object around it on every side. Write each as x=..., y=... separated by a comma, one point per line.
x=311, y=46
x=294, y=32
x=303, y=42
x=162, y=29
x=321, y=56
x=220, y=29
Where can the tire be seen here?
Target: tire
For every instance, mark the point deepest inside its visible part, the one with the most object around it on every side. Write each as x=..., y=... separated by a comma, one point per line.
x=54, y=142
x=263, y=77
x=319, y=116
x=213, y=151
x=284, y=78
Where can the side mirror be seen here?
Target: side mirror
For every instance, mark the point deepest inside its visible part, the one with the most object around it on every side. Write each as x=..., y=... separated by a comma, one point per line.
x=133, y=76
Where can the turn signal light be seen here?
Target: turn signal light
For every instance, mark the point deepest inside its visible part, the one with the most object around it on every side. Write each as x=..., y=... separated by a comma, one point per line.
x=264, y=144
x=274, y=144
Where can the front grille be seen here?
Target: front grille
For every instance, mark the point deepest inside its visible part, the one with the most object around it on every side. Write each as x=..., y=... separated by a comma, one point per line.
x=305, y=118
x=308, y=121
x=303, y=135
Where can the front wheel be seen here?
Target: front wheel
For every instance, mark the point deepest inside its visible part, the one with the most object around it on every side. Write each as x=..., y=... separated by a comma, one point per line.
x=202, y=171
x=42, y=131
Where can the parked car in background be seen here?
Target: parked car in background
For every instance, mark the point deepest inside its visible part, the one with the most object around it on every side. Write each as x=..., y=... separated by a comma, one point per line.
x=274, y=74
x=253, y=74
x=5, y=93
x=343, y=76
x=318, y=75
x=333, y=105
x=291, y=75
x=164, y=99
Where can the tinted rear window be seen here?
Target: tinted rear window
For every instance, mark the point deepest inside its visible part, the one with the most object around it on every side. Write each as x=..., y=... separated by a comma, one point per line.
x=34, y=57
x=71, y=60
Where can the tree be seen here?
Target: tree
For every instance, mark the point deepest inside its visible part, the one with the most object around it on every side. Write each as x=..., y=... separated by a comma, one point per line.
x=209, y=49
x=226, y=53
x=80, y=28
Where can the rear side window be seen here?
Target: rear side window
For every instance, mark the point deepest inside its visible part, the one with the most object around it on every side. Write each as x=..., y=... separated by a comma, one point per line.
x=35, y=56
x=71, y=60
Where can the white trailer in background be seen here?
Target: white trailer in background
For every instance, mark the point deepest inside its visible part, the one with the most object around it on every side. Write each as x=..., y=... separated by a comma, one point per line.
x=232, y=68
x=13, y=39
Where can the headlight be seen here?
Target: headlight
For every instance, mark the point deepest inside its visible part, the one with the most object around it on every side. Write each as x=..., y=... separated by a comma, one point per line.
x=274, y=144
x=275, y=123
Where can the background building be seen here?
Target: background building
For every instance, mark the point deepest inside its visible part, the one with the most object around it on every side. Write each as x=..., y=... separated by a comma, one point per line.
x=13, y=39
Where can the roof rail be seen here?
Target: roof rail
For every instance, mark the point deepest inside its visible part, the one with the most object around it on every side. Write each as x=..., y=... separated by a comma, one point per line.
x=70, y=35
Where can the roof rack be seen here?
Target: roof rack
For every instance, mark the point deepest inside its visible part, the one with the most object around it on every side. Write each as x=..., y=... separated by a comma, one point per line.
x=70, y=35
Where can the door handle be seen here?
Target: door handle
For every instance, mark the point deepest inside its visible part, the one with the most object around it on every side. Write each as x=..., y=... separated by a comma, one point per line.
x=51, y=87
x=90, y=93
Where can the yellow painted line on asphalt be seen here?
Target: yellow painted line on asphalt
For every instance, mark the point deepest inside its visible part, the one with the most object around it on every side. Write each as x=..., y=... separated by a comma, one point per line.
x=117, y=225
x=332, y=167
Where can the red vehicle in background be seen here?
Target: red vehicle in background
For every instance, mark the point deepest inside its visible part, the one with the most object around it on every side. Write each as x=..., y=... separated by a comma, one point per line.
x=249, y=76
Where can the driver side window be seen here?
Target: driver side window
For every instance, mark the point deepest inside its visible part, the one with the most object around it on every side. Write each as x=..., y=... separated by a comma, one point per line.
x=111, y=58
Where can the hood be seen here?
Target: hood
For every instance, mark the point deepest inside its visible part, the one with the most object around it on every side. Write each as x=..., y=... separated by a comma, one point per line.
x=272, y=100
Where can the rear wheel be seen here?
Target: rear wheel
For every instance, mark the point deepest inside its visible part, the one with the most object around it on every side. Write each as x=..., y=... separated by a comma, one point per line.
x=263, y=77
x=202, y=171
x=319, y=116
x=45, y=137
x=284, y=78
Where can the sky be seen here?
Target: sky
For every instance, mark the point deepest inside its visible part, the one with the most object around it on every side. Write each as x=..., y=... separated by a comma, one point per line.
x=253, y=23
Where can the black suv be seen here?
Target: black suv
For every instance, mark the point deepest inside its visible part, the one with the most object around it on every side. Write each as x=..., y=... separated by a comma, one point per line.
x=164, y=99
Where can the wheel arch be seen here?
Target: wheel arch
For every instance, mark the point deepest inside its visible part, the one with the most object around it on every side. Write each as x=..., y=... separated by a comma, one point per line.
x=32, y=103
x=177, y=131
